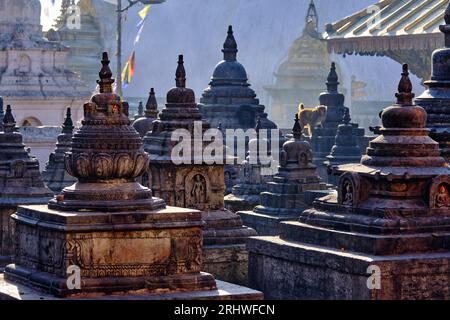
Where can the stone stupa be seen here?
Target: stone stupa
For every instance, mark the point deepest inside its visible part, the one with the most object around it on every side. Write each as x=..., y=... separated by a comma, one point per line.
x=284, y=197
x=345, y=149
x=246, y=194
x=144, y=124
x=385, y=234
x=324, y=136
x=20, y=182
x=230, y=103
x=196, y=184
x=55, y=174
x=436, y=99
x=123, y=241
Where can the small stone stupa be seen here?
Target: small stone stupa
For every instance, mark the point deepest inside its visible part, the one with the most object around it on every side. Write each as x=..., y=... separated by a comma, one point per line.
x=145, y=124
x=284, y=197
x=385, y=234
x=20, y=182
x=246, y=194
x=436, y=100
x=55, y=174
x=107, y=226
x=230, y=103
x=345, y=149
x=195, y=183
x=323, y=137
x=140, y=112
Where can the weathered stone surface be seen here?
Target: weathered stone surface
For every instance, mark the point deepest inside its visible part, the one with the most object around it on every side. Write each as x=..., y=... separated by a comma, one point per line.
x=122, y=240
x=55, y=174
x=283, y=198
x=436, y=99
x=196, y=183
x=20, y=181
x=391, y=212
x=253, y=175
x=324, y=136
x=230, y=103
x=345, y=149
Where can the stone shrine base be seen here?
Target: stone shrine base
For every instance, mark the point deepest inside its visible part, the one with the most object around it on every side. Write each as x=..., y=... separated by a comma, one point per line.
x=291, y=269
x=264, y=224
x=227, y=262
x=225, y=291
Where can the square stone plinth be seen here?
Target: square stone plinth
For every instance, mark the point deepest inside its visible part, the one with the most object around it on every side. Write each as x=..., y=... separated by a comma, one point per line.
x=157, y=251
x=293, y=270
x=225, y=291
x=265, y=225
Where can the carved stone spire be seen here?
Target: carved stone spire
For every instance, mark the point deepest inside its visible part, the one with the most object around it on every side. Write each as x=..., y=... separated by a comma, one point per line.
x=405, y=95
x=9, y=123
x=151, y=107
x=230, y=46
x=180, y=73
x=67, y=126
x=332, y=80
x=297, y=130
x=105, y=75
x=140, y=109
x=145, y=124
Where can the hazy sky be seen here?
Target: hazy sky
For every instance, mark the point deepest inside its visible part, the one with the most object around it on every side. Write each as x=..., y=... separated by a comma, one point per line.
x=49, y=12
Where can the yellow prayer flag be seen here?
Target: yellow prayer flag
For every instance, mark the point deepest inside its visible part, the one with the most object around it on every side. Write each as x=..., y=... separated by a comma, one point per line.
x=144, y=12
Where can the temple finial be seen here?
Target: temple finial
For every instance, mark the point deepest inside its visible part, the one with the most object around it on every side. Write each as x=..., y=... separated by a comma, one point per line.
x=67, y=126
x=105, y=75
x=230, y=46
x=297, y=130
x=332, y=80
x=405, y=95
x=9, y=123
x=152, y=104
x=346, y=118
x=140, y=109
x=181, y=73
x=312, y=15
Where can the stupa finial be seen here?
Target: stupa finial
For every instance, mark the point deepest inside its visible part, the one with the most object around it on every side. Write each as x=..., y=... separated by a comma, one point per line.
x=405, y=95
x=9, y=123
x=105, y=75
x=332, y=80
x=152, y=104
x=346, y=118
x=297, y=130
x=312, y=15
x=180, y=73
x=230, y=46
x=67, y=126
x=141, y=108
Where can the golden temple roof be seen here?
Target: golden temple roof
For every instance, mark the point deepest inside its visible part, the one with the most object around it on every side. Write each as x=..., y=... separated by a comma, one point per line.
x=389, y=25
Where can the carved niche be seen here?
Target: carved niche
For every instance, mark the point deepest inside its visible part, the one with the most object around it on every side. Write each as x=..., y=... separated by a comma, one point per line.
x=197, y=188
x=349, y=189
x=439, y=193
